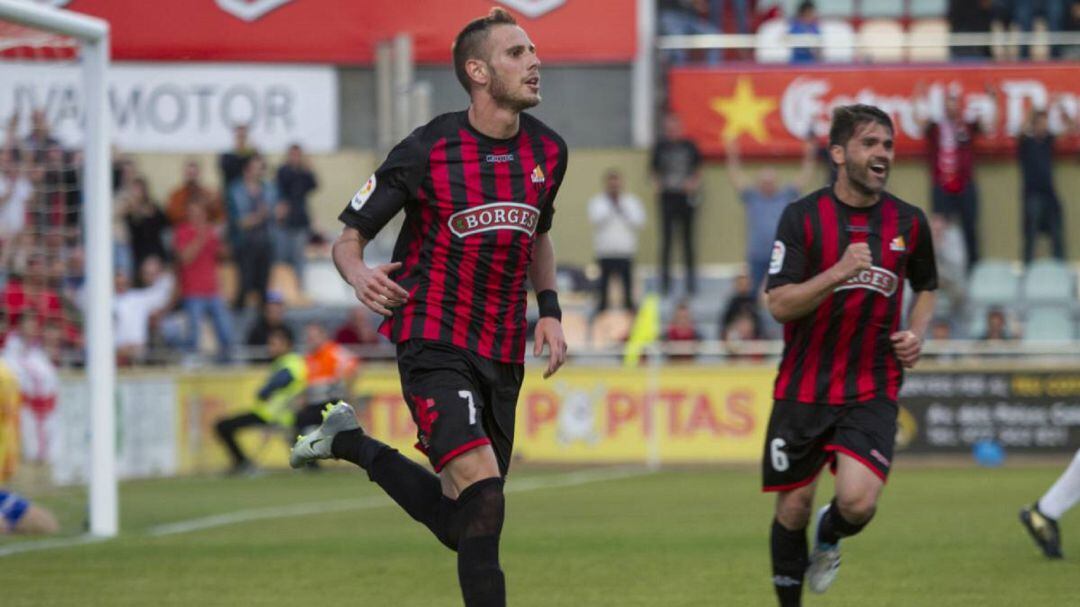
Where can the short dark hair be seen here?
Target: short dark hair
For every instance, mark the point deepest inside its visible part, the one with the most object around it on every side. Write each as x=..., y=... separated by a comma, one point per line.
x=470, y=41
x=283, y=332
x=805, y=5
x=846, y=119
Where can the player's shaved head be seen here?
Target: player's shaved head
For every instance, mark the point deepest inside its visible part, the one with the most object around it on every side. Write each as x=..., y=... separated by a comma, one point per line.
x=471, y=42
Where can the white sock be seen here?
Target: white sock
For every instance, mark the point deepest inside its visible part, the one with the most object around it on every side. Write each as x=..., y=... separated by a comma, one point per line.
x=1064, y=493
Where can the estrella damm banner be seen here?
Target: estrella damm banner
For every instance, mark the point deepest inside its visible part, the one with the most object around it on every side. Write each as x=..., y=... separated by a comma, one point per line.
x=772, y=110
x=581, y=415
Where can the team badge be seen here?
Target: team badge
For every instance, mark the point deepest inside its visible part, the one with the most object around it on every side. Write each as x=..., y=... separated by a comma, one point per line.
x=538, y=178
x=898, y=244
x=249, y=10
x=776, y=262
x=363, y=194
x=533, y=8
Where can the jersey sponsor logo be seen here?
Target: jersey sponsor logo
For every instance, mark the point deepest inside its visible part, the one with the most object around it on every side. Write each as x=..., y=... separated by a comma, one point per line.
x=898, y=244
x=538, y=178
x=533, y=8
x=875, y=279
x=249, y=10
x=498, y=158
x=776, y=262
x=494, y=216
x=363, y=193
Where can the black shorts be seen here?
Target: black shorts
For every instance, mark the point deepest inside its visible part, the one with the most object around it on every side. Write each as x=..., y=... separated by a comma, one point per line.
x=459, y=400
x=803, y=437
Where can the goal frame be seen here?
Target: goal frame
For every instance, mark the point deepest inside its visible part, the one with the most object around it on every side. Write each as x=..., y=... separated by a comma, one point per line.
x=93, y=57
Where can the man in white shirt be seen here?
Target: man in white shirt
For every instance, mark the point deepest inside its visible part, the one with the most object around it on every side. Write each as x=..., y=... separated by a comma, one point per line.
x=15, y=191
x=133, y=308
x=616, y=217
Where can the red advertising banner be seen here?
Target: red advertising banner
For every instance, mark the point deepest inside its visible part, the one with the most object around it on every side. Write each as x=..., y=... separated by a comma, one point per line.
x=770, y=110
x=346, y=31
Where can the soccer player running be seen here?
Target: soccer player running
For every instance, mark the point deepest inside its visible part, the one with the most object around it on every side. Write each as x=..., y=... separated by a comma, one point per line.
x=836, y=282
x=1041, y=518
x=478, y=189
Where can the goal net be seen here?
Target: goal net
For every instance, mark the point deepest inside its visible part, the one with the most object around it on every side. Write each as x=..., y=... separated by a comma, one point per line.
x=56, y=370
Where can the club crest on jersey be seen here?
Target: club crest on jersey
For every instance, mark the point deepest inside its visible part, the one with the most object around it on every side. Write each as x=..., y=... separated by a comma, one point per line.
x=875, y=279
x=363, y=193
x=494, y=216
x=776, y=262
x=898, y=244
x=538, y=178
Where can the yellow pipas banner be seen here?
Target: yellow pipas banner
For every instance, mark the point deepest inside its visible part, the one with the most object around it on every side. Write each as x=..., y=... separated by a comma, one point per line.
x=584, y=414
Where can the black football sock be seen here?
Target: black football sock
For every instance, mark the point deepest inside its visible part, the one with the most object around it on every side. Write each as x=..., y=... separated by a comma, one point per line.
x=481, y=511
x=411, y=485
x=789, y=562
x=834, y=526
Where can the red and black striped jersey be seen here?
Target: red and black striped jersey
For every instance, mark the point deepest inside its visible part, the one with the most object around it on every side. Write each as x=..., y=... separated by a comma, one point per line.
x=841, y=352
x=473, y=207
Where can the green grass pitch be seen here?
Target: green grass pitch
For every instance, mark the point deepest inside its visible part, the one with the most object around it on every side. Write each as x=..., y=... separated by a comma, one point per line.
x=943, y=537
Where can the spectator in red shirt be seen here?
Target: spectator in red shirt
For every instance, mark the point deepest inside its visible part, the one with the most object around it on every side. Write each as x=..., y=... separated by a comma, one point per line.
x=198, y=248
x=951, y=154
x=682, y=329
x=357, y=330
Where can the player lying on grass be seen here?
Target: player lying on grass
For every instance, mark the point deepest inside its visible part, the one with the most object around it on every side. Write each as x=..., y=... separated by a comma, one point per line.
x=19, y=515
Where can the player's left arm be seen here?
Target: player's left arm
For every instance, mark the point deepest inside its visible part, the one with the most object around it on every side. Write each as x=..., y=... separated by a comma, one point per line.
x=922, y=273
x=549, y=328
x=542, y=276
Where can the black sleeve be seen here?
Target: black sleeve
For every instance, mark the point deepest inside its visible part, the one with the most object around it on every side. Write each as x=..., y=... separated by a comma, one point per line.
x=922, y=265
x=695, y=154
x=547, y=211
x=386, y=192
x=277, y=381
x=790, y=261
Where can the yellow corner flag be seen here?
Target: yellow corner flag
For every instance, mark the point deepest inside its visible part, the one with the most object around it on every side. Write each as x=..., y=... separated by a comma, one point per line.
x=645, y=331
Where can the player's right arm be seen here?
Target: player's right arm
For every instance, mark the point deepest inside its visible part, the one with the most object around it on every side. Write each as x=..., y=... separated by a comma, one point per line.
x=791, y=292
x=384, y=194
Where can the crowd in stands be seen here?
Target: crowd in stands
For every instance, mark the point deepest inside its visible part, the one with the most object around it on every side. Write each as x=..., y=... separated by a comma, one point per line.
x=167, y=257
x=768, y=17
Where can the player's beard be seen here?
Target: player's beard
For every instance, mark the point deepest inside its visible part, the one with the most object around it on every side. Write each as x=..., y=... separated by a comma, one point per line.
x=859, y=178
x=501, y=91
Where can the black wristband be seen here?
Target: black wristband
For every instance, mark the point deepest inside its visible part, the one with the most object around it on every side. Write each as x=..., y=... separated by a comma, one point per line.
x=548, y=301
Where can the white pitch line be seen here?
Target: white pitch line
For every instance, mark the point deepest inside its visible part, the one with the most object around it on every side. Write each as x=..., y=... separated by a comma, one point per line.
x=571, y=479
x=60, y=542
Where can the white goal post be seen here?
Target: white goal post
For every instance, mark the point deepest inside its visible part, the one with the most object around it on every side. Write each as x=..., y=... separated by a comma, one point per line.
x=93, y=57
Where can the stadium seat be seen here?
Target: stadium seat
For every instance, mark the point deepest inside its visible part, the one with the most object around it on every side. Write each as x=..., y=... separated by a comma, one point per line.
x=1049, y=324
x=575, y=329
x=611, y=327
x=839, y=39
x=920, y=9
x=994, y=282
x=842, y=9
x=332, y=290
x=1049, y=281
x=931, y=37
x=880, y=8
x=881, y=41
x=770, y=46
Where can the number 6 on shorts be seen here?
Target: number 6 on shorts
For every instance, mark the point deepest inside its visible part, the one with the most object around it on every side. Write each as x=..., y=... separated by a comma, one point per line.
x=776, y=453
